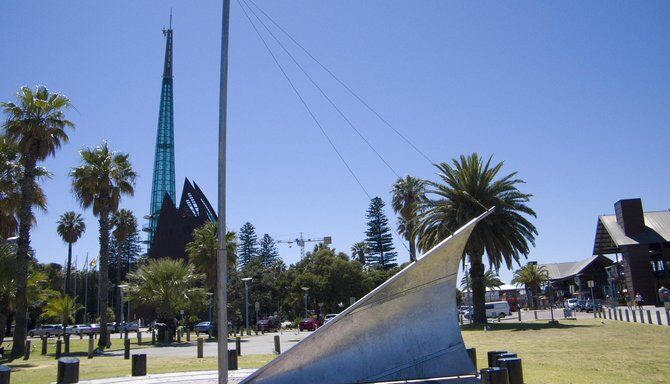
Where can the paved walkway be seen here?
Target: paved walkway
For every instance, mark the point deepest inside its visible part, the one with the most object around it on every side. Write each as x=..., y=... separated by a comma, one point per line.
x=197, y=377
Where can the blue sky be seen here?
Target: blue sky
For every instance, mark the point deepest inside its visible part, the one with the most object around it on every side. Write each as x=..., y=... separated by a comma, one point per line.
x=573, y=95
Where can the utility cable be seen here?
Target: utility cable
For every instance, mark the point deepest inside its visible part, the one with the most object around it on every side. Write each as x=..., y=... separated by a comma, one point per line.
x=332, y=103
x=304, y=103
x=311, y=113
x=343, y=84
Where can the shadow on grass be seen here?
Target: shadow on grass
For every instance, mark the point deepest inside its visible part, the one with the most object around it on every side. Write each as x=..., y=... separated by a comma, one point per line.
x=515, y=327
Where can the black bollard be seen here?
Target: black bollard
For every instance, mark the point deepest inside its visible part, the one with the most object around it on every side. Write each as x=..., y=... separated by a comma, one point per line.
x=139, y=365
x=179, y=335
x=5, y=372
x=126, y=349
x=45, y=345
x=502, y=356
x=472, y=352
x=238, y=346
x=232, y=359
x=201, y=342
x=277, y=345
x=494, y=375
x=126, y=334
x=188, y=334
x=514, y=369
x=153, y=336
x=91, y=348
x=139, y=338
x=493, y=356
x=59, y=347
x=26, y=356
x=68, y=370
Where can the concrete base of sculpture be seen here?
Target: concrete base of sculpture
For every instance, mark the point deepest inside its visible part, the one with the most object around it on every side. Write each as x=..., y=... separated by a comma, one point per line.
x=405, y=329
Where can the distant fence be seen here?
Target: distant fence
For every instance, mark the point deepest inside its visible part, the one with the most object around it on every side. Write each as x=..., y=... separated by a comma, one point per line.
x=654, y=316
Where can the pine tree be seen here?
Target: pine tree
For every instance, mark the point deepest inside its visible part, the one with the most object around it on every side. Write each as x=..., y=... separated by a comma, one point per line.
x=130, y=251
x=267, y=251
x=248, y=245
x=379, y=239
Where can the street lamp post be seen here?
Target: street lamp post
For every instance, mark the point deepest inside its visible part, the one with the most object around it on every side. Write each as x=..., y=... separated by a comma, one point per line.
x=246, y=302
x=306, y=289
x=209, y=297
x=121, y=287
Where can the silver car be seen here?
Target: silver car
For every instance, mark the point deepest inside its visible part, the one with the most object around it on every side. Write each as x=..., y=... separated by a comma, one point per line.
x=46, y=330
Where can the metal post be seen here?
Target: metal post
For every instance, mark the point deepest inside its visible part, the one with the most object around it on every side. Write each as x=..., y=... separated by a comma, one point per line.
x=246, y=306
x=221, y=257
x=277, y=345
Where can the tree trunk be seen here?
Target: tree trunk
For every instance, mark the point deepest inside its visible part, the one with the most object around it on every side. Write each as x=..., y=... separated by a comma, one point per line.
x=68, y=284
x=478, y=289
x=103, y=278
x=3, y=325
x=411, y=239
x=117, y=293
x=25, y=221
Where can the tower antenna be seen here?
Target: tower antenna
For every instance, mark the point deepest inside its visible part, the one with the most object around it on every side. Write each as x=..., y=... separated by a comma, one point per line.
x=170, y=18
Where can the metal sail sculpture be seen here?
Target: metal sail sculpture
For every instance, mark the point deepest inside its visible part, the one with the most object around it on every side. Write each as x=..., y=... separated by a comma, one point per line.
x=405, y=329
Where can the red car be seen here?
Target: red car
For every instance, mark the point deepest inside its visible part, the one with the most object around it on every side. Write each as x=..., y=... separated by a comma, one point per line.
x=309, y=324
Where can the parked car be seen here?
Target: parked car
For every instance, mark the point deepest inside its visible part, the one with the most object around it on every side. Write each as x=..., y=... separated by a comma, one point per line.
x=130, y=327
x=204, y=327
x=95, y=328
x=266, y=325
x=572, y=304
x=591, y=305
x=78, y=329
x=329, y=317
x=111, y=327
x=309, y=324
x=46, y=330
x=494, y=309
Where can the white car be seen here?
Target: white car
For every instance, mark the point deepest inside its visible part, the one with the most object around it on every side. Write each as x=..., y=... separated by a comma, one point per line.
x=329, y=317
x=79, y=329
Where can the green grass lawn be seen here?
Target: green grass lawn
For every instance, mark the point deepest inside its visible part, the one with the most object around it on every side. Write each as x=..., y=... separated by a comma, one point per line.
x=578, y=351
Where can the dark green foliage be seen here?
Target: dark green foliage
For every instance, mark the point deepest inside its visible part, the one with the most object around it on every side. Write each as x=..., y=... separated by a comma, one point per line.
x=129, y=251
x=267, y=251
x=379, y=240
x=248, y=244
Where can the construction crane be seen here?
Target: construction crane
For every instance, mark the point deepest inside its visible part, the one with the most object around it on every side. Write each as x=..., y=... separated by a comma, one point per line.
x=301, y=241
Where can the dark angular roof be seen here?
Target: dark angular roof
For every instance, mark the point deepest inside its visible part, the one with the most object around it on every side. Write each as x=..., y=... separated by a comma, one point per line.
x=610, y=236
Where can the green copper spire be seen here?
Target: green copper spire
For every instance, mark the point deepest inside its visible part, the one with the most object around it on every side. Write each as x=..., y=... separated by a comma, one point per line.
x=163, y=177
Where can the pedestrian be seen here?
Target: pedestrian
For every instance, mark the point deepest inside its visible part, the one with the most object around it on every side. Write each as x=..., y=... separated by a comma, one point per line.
x=638, y=300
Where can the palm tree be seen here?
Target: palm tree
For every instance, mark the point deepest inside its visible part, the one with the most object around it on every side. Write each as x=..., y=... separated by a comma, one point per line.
x=169, y=286
x=125, y=224
x=532, y=277
x=407, y=194
x=11, y=173
x=98, y=183
x=358, y=251
x=70, y=228
x=36, y=123
x=62, y=308
x=202, y=252
x=467, y=186
x=491, y=282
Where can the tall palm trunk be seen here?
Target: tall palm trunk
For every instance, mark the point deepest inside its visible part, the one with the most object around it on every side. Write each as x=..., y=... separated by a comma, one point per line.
x=103, y=278
x=25, y=221
x=412, y=243
x=68, y=286
x=117, y=296
x=478, y=289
